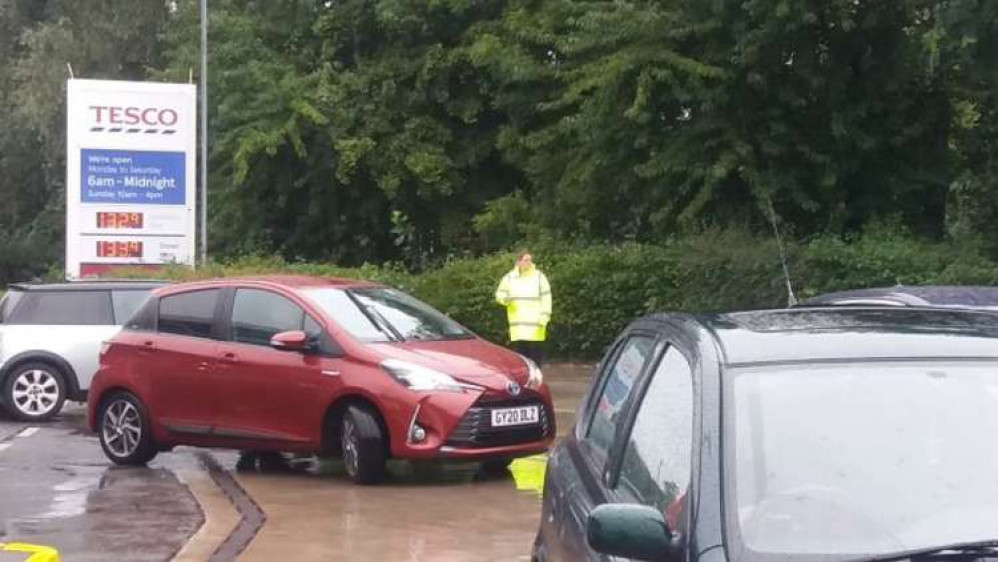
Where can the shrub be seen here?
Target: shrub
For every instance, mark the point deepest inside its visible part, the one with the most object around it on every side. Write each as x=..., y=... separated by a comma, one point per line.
x=598, y=289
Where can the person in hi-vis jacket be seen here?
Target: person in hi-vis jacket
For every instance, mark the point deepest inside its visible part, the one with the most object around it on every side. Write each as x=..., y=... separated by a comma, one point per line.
x=526, y=294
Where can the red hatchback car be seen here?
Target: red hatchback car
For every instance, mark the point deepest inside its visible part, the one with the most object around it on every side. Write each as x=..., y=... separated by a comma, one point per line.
x=301, y=364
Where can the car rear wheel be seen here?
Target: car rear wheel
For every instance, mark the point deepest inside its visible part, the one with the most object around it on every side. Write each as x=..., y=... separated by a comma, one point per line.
x=123, y=429
x=35, y=392
x=363, y=446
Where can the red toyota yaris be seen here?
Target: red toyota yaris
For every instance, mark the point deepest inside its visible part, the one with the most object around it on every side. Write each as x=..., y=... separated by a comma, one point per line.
x=301, y=364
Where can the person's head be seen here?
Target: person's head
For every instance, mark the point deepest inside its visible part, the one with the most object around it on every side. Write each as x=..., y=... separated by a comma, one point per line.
x=524, y=260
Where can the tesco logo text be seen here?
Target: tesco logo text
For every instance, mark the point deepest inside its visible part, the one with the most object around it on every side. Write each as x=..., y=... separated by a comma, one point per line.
x=149, y=116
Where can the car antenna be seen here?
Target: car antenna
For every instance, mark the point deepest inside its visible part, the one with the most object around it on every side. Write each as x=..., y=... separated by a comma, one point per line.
x=791, y=298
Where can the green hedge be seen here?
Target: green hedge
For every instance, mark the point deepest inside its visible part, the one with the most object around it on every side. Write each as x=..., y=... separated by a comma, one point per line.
x=599, y=289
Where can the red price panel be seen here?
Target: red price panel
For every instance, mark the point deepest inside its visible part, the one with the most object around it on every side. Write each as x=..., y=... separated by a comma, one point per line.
x=119, y=220
x=114, y=249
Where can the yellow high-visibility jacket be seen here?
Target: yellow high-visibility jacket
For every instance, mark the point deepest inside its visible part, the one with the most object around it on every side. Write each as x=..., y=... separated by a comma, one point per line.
x=527, y=298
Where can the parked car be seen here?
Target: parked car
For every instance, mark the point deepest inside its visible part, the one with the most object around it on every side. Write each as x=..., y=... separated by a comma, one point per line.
x=50, y=337
x=945, y=296
x=805, y=434
x=307, y=365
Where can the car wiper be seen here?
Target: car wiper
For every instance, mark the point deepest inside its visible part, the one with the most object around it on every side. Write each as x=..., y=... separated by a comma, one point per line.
x=376, y=318
x=960, y=550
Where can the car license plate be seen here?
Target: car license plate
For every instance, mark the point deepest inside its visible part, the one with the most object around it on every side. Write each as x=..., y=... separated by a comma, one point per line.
x=502, y=417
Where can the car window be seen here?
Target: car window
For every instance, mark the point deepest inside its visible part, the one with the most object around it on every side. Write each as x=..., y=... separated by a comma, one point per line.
x=617, y=386
x=257, y=315
x=188, y=314
x=8, y=303
x=144, y=320
x=127, y=302
x=83, y=308
x=657, y=459
x=311, y=327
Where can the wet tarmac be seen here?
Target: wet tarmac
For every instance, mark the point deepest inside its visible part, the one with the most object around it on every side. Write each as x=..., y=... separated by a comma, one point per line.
x=57, y=489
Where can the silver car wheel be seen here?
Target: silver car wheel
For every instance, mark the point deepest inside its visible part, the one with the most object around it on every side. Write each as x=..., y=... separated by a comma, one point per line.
x=35, y=392
x=121, y=428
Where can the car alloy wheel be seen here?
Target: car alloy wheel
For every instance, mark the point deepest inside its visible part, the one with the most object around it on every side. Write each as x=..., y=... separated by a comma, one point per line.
x=35, y=392
x=363, y=445
x=351, y=446
x=122, y=428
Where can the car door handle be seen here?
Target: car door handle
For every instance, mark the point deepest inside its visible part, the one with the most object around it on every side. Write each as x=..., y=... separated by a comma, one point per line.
x=148, y=345
x=230, y=358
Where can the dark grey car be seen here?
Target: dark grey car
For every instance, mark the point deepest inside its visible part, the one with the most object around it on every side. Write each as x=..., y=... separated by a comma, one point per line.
x=803, y=434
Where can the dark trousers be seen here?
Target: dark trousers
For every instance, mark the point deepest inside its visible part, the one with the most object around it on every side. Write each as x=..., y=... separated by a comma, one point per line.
x=533, y=350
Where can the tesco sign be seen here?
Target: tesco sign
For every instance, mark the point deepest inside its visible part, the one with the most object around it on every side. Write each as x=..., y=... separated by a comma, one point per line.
x=149, y=116
x=130, y=174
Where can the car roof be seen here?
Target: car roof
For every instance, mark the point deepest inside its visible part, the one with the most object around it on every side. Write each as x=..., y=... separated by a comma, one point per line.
x=274, y=281
x=934, y=295
x=95, y=285
x=852, y=333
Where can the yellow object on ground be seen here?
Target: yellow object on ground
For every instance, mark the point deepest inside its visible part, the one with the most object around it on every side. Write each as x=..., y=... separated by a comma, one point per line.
x=33, y=552
x=528, y=473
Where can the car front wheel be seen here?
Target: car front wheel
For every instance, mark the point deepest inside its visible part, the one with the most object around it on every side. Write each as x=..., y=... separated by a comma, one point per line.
x=123, y=429
x=363, y=446
x=35, y=392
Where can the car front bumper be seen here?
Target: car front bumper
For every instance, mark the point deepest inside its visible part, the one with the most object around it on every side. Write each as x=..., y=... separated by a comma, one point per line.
x=460, y=428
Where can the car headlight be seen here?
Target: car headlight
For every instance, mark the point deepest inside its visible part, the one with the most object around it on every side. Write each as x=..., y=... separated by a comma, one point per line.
x=536, y=377
x=419, y=378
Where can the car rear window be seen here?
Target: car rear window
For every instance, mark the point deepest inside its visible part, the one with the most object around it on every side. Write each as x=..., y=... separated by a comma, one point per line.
x=63, y=308
x=188, y=314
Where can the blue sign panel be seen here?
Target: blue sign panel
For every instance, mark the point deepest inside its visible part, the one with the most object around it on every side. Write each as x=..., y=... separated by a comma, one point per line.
x=132, y=176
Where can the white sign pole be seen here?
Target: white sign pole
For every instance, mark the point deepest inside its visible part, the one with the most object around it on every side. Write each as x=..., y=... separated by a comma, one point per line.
x=130, y=175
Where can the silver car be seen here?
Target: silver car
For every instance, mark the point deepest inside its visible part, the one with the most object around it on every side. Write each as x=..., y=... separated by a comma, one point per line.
x=50, y=339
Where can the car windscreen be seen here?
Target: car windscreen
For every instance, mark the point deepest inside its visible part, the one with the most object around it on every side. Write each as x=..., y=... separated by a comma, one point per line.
x=8, y=302
x=384, y=314
x=850, y=460
x=63, y=308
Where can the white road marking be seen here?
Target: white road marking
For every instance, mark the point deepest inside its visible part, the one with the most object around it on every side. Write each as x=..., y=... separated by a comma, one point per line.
x=28, y=432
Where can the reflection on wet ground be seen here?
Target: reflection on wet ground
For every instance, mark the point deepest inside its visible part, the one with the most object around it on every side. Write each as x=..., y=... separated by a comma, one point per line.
x=56, y=488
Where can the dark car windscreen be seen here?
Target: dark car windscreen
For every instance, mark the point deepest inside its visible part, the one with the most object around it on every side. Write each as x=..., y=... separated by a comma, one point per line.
x=383, y=314
x=63, y=308
x=851, y=460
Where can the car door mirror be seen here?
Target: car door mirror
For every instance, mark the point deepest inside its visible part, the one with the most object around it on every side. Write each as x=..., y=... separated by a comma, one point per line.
x=294, y=340
x=630, y=531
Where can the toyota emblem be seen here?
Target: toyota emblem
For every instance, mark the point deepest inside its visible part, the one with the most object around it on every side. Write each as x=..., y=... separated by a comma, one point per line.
x=513, y=388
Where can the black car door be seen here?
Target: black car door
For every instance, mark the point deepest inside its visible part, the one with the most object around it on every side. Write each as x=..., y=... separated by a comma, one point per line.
x=577, y=481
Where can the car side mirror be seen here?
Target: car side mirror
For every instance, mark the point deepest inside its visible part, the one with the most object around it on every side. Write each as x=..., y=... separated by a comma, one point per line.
x=630, y=531
x=294, y=340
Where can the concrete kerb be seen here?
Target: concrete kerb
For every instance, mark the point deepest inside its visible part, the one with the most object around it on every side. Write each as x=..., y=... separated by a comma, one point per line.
x=220, y=517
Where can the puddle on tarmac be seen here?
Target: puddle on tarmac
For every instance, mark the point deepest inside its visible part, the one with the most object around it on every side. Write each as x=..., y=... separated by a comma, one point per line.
x=70, y=499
